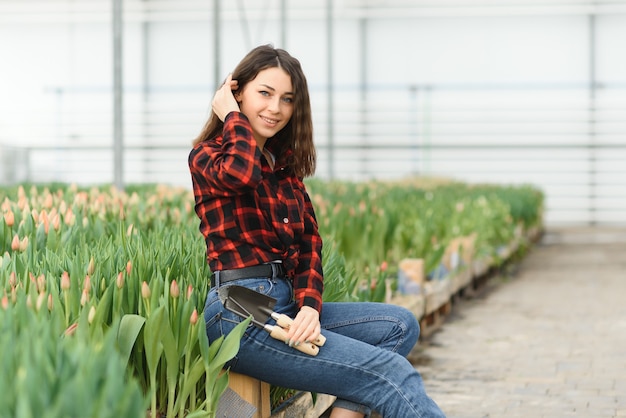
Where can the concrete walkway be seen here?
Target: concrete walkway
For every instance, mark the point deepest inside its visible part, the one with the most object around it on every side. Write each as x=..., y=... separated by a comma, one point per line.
x=549, y=341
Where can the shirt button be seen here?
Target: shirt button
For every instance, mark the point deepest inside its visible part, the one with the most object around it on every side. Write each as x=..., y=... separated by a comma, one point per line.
x=285, y=220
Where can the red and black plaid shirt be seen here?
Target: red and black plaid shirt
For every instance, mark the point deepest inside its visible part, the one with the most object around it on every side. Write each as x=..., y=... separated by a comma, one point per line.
x=250, y=214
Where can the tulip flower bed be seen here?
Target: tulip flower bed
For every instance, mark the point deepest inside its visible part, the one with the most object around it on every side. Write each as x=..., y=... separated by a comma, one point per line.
x=375, y=225
x=102, y=291
x=116, y=281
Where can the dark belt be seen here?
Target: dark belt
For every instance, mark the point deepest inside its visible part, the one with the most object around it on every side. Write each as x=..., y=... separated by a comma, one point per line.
x=271, y=270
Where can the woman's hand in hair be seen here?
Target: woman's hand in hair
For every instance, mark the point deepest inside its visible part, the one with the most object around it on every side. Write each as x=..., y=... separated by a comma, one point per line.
x=224, y=101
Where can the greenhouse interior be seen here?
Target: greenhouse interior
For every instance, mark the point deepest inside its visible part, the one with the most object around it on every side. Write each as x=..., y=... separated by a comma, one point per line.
x=462, y=148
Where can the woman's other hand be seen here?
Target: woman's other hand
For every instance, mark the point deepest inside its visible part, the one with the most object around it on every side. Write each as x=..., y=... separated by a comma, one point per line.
x=224, y=101
x=306, y=326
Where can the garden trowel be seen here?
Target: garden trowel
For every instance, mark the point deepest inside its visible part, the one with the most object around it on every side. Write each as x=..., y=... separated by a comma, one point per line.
x=262, y=308
x=275, y=331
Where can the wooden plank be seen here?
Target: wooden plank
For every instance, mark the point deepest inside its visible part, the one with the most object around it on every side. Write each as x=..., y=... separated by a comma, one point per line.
x=252, y=391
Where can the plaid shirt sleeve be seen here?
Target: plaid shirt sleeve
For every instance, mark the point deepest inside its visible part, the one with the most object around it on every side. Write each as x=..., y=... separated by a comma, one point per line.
x=229, y=164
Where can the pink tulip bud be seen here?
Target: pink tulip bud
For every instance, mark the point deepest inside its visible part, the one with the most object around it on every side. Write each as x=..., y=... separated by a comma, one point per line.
x=120, y=280
x=84, y=297
x=22, y=202
x=174, y=290
x=48, y=201
x=87, y=284
x=41, y=283
x=13, y=279
x=15, y=244
x=129, y=267
x=56, y=222
x=69, y=218
x=40, y=299
x=65, y=281
x=71, y=329
x=5, y=302
x=9, y=218
x=194, y=317
x=24, y=244
x=384, y=266
x=145, y=290
x=50, y=302
x=189, y=291
x=43, y=217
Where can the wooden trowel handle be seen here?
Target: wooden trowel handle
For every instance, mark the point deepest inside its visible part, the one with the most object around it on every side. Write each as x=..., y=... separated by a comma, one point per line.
x=285, y=322
x=281, y=335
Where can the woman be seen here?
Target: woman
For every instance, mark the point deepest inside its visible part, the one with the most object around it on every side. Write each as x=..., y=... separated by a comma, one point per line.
x=247, y=168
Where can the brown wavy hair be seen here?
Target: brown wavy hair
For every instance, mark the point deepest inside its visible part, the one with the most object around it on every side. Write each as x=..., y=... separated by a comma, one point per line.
x=294, y=143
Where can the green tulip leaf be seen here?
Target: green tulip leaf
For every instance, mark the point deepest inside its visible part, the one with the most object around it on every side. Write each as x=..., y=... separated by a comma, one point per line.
x=129, y=329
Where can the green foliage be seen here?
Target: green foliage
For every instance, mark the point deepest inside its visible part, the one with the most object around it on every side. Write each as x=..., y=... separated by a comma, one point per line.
x=46, y=374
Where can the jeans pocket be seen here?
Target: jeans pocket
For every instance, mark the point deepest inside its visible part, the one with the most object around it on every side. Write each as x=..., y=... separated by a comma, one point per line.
x=212, y=317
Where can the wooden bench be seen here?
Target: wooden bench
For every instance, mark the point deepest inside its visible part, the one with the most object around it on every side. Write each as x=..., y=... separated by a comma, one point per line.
x=253, y=391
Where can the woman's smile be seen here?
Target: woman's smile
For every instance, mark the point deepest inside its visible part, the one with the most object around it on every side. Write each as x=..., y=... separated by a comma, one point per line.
x=271, y=122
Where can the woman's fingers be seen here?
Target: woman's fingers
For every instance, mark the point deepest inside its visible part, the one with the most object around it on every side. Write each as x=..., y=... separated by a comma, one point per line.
x=306, y=326
x=224, y=101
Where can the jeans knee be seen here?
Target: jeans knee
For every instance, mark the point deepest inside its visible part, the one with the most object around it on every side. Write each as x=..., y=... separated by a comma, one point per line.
x=411, y=328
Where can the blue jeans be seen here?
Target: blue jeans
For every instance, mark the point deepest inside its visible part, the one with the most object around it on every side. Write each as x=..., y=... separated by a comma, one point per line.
x=362, y=363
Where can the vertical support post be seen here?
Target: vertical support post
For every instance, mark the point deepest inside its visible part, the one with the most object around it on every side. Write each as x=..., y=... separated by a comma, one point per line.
x=414, y=124
x=363, y=95
x=329, y=89
x=283, y=24
x=591, y=145
x=118, y=123
x=145, y=91
x=216, y=44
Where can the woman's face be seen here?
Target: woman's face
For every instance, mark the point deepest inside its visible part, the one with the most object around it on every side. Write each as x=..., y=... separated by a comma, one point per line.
x=267, y=101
